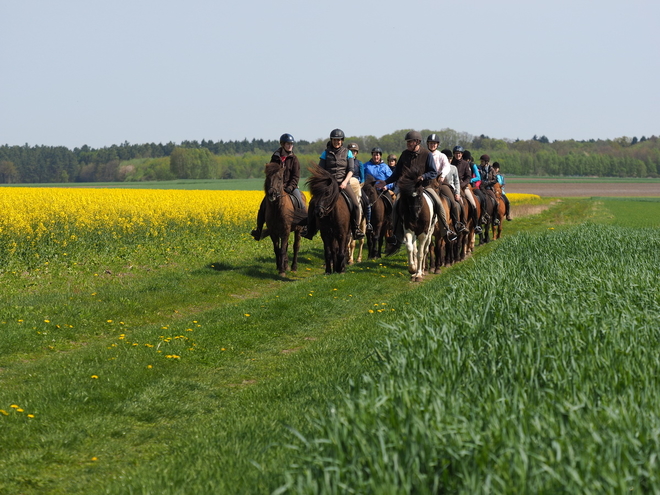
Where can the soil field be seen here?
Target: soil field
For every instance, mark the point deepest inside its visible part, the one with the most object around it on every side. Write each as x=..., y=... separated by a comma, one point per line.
x=587, y=189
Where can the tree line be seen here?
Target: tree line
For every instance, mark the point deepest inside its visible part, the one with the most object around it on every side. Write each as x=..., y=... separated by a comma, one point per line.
x=621, y=157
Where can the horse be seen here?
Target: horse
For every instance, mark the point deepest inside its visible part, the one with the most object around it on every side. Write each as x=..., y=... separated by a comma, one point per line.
x=282, y=217
x=416, y=212
x=500, y=213
x=360, y=244
x=471, y=226
x=381, y=217
x=442, y=252
x=333, y=218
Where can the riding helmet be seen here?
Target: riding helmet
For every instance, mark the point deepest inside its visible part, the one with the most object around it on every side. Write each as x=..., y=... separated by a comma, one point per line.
x=337, y=134
x=286, y=138
x=459, y=149
x=485, y=158
x=391, y=157
x=413, y=135
x=433, y=138
x=376, y=150
x=353, y=147
x=447, y=153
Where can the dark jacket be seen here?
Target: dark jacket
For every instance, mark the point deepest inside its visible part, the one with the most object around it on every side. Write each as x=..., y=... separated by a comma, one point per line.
x=291, y=168
x=488, y=177
x=337, y=162
x=420, y=161
x=464, y=172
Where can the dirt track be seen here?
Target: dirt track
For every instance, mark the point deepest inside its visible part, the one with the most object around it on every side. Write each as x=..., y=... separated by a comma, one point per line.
x=558, y=189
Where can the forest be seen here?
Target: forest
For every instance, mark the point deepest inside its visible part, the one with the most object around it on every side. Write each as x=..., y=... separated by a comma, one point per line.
x=538, y=156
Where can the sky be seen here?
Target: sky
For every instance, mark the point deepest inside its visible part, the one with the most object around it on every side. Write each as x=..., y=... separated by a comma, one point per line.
x=99, y=72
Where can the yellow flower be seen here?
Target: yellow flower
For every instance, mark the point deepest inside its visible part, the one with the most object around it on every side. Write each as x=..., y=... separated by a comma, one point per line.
x=149, y=366
x=95, y=377
x=14, y=406
x=2, y=411
x=30, y=415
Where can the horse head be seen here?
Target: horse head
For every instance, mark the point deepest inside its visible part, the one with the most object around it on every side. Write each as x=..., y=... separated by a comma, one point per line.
x=324, y=189
x=274, y=184
x=411, y=192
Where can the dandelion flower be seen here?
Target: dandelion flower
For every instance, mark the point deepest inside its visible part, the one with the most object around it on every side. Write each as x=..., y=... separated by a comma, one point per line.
x=95, y=377
x=30, y=415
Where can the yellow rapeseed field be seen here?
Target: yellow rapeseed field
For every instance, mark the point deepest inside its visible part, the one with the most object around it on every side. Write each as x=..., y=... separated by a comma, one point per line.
x=44, y=222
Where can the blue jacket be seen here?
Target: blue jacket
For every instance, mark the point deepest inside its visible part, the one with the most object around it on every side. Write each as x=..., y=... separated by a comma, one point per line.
x=381, y=171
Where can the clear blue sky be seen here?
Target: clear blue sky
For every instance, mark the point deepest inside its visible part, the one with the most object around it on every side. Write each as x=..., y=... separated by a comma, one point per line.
x=77, y=72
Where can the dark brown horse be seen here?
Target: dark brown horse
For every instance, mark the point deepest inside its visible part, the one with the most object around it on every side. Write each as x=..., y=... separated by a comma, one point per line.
x=282, y=218
x=381, y=216
x=332, y=217
x=416, y=213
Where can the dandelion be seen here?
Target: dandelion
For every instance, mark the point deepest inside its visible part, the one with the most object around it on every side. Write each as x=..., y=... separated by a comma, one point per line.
x=46, y=321
x=149, y=366
x=20, y=410
x=95, y=459
x=14, y=406
x=371, y=311
x=95, y=377
x=30, y=415
x=247, y=314
x=3, y=412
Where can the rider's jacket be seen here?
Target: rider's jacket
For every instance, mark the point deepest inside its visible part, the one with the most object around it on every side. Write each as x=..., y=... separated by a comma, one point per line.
x=337, y=161
x=464, y=172
x=380, y=171
x=291, y=168
x=420, y=161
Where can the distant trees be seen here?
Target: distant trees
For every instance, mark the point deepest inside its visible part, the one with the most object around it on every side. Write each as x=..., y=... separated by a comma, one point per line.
x=621, y=157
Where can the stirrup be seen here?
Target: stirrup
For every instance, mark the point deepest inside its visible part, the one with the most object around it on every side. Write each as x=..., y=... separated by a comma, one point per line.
x=358, y=234
x=460, y=227
x=369, y=228
x=451, y=235
x=478, y=229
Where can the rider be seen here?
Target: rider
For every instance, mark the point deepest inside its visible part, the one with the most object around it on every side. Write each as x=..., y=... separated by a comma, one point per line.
x=502, y=182
x=378, y=169
x=284, y=155
x=488, y=179
x=465, y=176
x=356, y=180
x=419, y=160
x=391, y=162
x=475, y=182
x=338, y=160
x=442, y=165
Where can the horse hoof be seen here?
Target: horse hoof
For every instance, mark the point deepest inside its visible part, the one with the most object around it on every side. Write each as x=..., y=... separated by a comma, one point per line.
x=282, y=274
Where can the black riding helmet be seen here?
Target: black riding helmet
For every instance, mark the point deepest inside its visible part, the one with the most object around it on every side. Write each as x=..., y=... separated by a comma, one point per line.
x=337, y=134
x=286, y=138
x=459, y=149
x=376, y=150
x=433, y=138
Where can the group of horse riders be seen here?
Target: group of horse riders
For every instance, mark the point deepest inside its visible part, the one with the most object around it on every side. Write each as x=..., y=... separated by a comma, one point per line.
x=454, y=171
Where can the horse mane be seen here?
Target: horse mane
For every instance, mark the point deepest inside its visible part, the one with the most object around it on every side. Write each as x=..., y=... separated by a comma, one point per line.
x=408, y=183
x=369, y=187
x=323, y=185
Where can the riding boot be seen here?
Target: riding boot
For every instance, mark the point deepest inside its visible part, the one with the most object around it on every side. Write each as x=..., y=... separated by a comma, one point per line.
x=355, y=224
x=259, y=233
x=508, y=210
x=309, y=231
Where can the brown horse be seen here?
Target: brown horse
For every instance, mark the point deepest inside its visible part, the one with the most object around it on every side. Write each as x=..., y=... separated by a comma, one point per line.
x=500, y=213
x=471, y=226
x=416, y=213
x=282, y=218
x=443, y=252
x=332, y=217
x=381, y=217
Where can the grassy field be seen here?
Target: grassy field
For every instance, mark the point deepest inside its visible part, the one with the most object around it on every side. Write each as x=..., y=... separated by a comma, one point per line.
x=187, y=365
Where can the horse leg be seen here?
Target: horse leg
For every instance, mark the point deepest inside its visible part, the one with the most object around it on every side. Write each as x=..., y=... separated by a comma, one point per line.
x=361, y=245
x=296, y=247
x=351, y=248
x=277, y=242
x=412, y=253
x=284, y=247
x=329, y=254
x=341, y=255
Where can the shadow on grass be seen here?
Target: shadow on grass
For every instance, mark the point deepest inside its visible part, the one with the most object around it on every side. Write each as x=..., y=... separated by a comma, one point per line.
x=265, y=273
x=219, y=266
